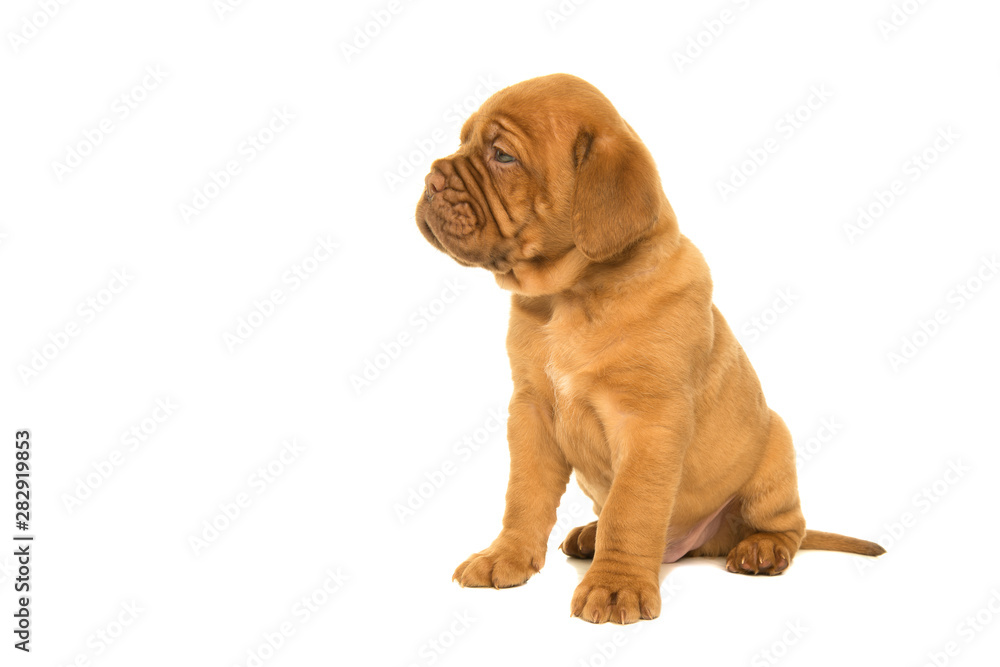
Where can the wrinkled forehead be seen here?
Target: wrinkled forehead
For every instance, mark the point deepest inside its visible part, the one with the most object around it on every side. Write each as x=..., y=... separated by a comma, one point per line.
x=534, y=114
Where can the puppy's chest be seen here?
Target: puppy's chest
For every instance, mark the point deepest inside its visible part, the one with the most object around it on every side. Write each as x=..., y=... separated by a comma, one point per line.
x=573, y=370
x=572, y=366
x=568, y=372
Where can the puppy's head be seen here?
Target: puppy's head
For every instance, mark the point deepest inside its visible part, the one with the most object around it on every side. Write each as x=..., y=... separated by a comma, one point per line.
x=548, y=181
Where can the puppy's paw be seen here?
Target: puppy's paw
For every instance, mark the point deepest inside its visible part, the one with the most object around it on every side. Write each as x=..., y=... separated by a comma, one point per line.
x=617, y=595
x=498, y=566
x=761, y=553
x=579, y=543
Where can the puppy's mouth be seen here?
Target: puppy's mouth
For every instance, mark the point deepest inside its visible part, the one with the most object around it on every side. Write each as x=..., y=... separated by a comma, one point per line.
x=458, y=229
x=432, y=236
x=428, y=233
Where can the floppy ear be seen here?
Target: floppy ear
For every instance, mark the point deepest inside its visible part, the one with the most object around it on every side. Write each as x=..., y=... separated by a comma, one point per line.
x=617, y=196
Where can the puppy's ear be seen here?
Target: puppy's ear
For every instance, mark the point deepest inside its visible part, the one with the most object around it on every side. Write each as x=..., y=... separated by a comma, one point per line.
x=617, y=197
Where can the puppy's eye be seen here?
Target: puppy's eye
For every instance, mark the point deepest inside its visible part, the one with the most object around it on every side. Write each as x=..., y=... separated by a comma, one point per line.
x=504, y=157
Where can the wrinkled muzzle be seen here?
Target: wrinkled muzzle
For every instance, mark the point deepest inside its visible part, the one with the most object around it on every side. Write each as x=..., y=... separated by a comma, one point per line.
x=454, y=215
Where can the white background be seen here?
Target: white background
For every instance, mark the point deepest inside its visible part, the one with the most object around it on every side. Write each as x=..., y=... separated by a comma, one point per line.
x=334, y=507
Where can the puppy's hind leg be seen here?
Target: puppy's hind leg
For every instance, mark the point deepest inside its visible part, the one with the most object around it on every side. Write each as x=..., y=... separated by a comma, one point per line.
x=581, y=541
x=769, y=524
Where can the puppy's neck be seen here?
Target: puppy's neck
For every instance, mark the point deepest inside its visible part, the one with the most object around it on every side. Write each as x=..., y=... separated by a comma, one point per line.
x=533, y=279
x=588, y=284
x=638, y=265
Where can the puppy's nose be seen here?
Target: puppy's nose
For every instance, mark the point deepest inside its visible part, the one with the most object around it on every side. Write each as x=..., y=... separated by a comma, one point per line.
x=435, y=182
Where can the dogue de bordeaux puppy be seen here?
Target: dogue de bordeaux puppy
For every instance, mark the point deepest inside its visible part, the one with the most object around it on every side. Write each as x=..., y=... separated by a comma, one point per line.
x=624, y=371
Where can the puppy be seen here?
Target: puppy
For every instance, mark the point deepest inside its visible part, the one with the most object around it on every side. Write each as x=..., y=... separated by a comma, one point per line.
x=624, y=371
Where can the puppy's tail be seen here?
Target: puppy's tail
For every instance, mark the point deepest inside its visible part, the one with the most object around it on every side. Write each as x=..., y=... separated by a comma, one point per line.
x=816, y=539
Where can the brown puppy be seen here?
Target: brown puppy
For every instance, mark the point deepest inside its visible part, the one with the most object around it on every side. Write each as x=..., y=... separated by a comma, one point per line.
x=624, y=371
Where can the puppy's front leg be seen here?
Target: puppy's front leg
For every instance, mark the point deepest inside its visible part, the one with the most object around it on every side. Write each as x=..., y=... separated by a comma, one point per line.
x=623, y=584
x=538, y=477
